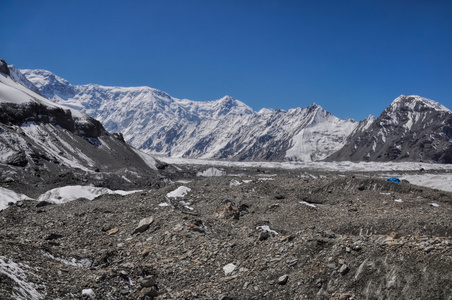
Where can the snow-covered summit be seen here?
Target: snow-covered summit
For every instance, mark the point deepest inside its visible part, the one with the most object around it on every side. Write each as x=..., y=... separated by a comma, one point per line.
x=412, y=101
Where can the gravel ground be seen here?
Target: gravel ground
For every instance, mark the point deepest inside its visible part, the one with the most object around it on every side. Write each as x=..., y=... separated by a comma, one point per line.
x=251, y=234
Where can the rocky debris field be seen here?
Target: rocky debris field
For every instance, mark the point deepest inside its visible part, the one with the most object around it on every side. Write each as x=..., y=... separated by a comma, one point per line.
x=246, y=235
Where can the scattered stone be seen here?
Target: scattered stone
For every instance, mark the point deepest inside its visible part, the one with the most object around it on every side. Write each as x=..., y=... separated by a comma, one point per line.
x=292, y=262
x=146, y=251
x=344, y=269
x=53, y=236
x=112, y=231
x=196, y=225
x=355, y=247
x=148, y=281
x=227, y=211
x=394, y=235
x=43, y=203
x=143, y=225
x=282, y=280
x=229, y=268
x=148, y=292
x=263, y=235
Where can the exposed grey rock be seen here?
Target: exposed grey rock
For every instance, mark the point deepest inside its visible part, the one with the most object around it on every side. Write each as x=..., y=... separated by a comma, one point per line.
x=282, y=280
x=143, y=225
x=412, y=128
x=344, y=269
x=148, y=281
x=4, y=67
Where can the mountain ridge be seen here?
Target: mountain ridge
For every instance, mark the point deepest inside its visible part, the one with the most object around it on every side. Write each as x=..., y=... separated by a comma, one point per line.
x=226, y=128
x=411, y=128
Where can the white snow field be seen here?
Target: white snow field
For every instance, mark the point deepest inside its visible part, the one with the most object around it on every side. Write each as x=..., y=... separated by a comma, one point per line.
x=7, y=196
x=73, y=192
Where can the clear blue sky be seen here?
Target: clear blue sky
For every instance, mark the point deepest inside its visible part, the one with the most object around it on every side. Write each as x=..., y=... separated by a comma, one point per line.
x=351, y=57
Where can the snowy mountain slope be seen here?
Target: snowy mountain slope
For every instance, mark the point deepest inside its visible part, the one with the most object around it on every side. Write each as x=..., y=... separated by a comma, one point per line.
x=42, y=142
x=412, y=128
x=226, y=128
x=17, y=75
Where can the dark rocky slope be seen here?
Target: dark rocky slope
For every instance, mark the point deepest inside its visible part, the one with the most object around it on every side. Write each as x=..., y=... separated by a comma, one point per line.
x=412, y=128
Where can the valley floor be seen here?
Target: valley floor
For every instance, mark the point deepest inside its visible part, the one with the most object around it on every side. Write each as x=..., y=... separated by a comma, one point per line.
x=252, y=233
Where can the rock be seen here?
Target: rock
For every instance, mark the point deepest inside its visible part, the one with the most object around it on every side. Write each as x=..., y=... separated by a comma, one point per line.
x=394, y=235
x=429, y=249
x=4, y=67
x=112, y=231
x=355, y=247
x=229, y=268
x=53, y=236
x=196, y=225
x=282, y=280
x=43, y=203
x=263, y=235
x=146, y=251
x=227, y=211
x=344, y=270
x=292, y=262
x=148, y=292
x=143, y=225
x=148, y=281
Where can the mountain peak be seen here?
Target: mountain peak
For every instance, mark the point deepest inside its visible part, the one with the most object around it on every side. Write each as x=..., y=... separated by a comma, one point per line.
x=227, y=98
x=4, y=67
x=412, y=100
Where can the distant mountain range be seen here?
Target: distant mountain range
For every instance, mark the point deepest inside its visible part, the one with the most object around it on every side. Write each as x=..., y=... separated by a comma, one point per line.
x=154, y=121
x=412, y=128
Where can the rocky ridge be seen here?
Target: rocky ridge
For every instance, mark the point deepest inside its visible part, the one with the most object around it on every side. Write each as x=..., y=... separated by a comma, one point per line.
x=412, y=128
x=250, y=234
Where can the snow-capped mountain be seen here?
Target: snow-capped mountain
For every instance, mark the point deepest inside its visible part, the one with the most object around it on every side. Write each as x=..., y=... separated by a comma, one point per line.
x=154, y=121
x=412, y=128
x=41, y=141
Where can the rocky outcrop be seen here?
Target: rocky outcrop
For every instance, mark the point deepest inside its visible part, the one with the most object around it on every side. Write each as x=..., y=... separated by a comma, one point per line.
x=4, y=67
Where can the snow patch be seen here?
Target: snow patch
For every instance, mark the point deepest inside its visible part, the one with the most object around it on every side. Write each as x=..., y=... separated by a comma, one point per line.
x=73, y=192
x=23, y=290
x=266, y=228
x=7, y=196
x=211, y=172
x=84, y=262
x=308, y=204
x=180, y=192
x=88, y=293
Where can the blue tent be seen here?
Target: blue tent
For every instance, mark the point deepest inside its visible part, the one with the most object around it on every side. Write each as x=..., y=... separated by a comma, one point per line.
x=393, y=179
